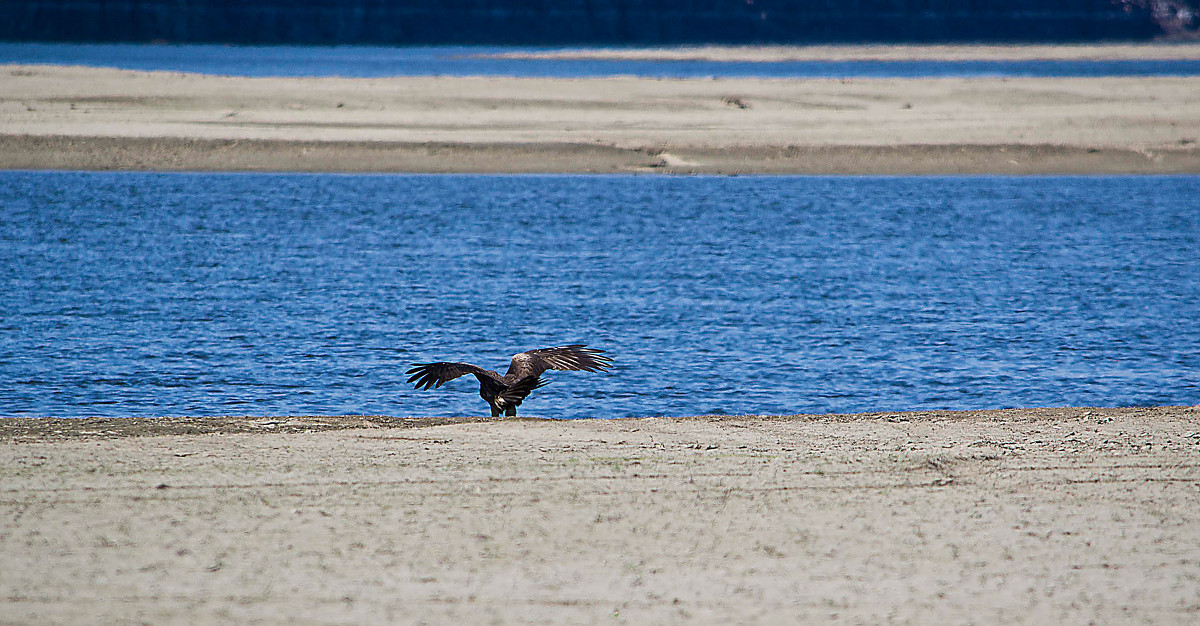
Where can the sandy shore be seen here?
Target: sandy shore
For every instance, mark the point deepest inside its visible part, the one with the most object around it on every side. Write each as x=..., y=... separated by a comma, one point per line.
x=80, y=118
x=887, y=52
x=1020, y=516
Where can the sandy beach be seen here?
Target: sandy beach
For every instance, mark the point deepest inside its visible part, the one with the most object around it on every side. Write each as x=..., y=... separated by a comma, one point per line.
x=1017, y=516
x=88, y=118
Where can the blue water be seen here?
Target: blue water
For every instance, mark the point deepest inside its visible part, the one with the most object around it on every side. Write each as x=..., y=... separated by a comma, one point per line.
x=137, y=294
x=366, y=61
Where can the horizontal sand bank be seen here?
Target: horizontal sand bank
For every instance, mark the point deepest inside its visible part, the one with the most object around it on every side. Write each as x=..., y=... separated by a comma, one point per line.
x=1015, y=516
x=185, y=154
x=81, y=118
x=898, y=52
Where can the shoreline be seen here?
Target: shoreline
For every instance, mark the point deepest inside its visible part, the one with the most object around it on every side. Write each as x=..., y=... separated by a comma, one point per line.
x=182, y=154
x=49, y=429
x=1183, y=50
x=103, y=119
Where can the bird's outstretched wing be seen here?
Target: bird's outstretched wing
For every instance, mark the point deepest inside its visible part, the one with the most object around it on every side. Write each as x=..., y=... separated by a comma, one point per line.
x=427, y=375
x=518, y=392
x=573, y=357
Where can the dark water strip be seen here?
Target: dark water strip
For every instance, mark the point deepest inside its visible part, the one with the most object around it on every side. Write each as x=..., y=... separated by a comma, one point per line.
x=371, y=62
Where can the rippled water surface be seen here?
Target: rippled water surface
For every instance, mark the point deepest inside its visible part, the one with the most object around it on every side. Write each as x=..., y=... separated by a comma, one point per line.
x=206, y=294
x=373, y=61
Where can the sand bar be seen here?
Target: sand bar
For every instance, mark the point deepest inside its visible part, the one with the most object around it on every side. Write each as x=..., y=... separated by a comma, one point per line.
x=896, y=52
x=86, y=118
x=1017, y=516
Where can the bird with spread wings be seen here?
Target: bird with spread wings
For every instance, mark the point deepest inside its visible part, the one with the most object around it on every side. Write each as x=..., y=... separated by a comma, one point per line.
x=505, y=393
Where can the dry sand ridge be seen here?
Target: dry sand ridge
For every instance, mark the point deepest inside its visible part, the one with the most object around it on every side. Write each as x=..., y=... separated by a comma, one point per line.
x=82, y=118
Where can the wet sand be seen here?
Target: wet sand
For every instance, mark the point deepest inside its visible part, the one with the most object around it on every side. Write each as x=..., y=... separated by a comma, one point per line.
x=81, y=118
x=1017, y=516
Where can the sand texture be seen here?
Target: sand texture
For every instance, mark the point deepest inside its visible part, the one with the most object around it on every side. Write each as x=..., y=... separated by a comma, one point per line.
x=1069, y=516
x=81, y=118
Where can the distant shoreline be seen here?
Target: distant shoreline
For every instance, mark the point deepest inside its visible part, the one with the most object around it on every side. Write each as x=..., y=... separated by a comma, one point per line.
x=883, y=52
x=270, y=155
x=59, y=117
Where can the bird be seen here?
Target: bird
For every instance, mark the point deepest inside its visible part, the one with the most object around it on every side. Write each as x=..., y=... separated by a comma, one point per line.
x=506, y=393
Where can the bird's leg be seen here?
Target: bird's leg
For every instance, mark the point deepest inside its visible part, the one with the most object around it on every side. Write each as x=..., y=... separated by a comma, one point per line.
x=495, y=411
x=510, y=411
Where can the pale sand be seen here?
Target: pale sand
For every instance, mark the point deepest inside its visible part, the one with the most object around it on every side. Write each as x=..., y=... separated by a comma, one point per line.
x=897, y=52
x=66, y=118
x=1041, y=516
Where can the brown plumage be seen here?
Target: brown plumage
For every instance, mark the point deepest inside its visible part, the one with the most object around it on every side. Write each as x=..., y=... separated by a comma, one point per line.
x=505, y=393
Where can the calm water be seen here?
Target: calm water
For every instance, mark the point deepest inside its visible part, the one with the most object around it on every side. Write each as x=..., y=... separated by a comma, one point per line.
x=366, y=61
x=246, y=294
